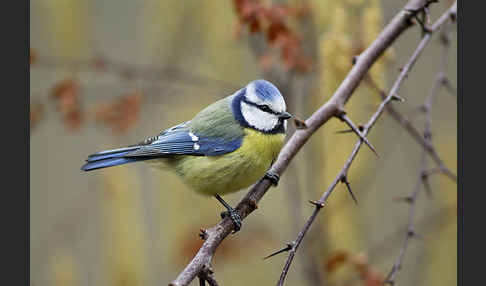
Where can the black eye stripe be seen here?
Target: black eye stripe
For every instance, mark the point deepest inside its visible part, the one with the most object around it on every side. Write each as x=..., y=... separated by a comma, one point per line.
x=264, y=108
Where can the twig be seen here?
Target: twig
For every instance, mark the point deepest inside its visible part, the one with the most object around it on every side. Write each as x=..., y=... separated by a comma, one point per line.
x=378, y=250
x=342, y=116
x=218, y=232
x=416, y=135
x=423, y=174
x=410, y=233
x=406, y=124
x=343, y=173
x=129, y=71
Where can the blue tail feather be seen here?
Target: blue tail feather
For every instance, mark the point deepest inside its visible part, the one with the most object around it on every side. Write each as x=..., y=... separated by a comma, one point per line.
x=115, y=153
x=109, y=163
x=110, y=158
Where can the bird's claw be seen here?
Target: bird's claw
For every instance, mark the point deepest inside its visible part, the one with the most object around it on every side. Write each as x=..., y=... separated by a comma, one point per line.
x=274, y=178
x=235, y=217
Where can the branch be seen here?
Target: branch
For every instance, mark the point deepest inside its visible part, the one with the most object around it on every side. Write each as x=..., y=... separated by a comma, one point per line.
x=414, y=133
x=377, y=252
x=342, y=175
x=248, y=204
x=126, y=71
x=423, y=174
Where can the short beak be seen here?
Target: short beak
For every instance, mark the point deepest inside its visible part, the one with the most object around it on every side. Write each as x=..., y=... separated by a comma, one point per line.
x=285, y=115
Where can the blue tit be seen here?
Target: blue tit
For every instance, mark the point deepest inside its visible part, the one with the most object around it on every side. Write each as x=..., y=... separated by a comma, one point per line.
x=226, y=147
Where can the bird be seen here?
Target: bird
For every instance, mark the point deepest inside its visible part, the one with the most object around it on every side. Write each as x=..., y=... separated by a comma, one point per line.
x=224, y=148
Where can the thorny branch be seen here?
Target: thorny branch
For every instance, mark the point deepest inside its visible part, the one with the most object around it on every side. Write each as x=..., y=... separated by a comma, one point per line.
x=424, y=173
x=414, y=133
x=330, y=109
x=342, y=175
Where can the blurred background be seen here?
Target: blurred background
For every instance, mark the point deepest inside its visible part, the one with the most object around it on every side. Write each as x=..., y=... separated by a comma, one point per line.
x=106, y=74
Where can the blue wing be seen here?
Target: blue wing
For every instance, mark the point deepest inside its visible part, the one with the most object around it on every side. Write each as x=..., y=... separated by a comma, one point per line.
x=178, y=140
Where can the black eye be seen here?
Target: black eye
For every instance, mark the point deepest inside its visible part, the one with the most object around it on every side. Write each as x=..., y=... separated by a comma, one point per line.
x=265, y=108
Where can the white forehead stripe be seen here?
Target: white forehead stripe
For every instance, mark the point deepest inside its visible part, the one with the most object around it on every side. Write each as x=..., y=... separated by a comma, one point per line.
x=277, y=103
x=251, y=94
x=257, y=118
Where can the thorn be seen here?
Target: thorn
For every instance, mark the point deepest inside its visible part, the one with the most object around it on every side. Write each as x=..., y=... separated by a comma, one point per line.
x=423, y=108
x=444, y=170
x=317, y=204
x=444, y=39
x=453, y=17
x=354, y=60
x=397, y=98
x=344, y=131
x=203, y=234
x=344, y=180
x=370, y=146
x=412, y=234
x=342, y=116
x=288, y=247
x=425, y=181
x=448, y=86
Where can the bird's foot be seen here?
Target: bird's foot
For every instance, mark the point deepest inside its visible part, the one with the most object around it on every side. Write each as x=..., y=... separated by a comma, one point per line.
x=274, y=178
x=235, y=217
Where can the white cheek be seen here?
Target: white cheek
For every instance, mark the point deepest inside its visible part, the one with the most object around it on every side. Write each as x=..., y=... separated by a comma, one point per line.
x=258, y=119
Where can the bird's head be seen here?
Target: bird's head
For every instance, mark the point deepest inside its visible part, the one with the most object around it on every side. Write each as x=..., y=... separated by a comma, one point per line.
x=260, y=106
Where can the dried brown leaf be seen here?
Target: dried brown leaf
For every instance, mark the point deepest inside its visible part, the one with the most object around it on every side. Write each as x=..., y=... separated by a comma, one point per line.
x=337, y=259
x=120, y=114
x=66, y=93
x=368, y=275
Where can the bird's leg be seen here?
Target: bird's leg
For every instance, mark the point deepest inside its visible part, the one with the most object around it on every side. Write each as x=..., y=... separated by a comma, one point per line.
x=235, y=217
x=274, y=178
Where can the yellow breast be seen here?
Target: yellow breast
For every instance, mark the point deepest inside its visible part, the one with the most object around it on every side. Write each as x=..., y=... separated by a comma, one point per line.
x=233, y=171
